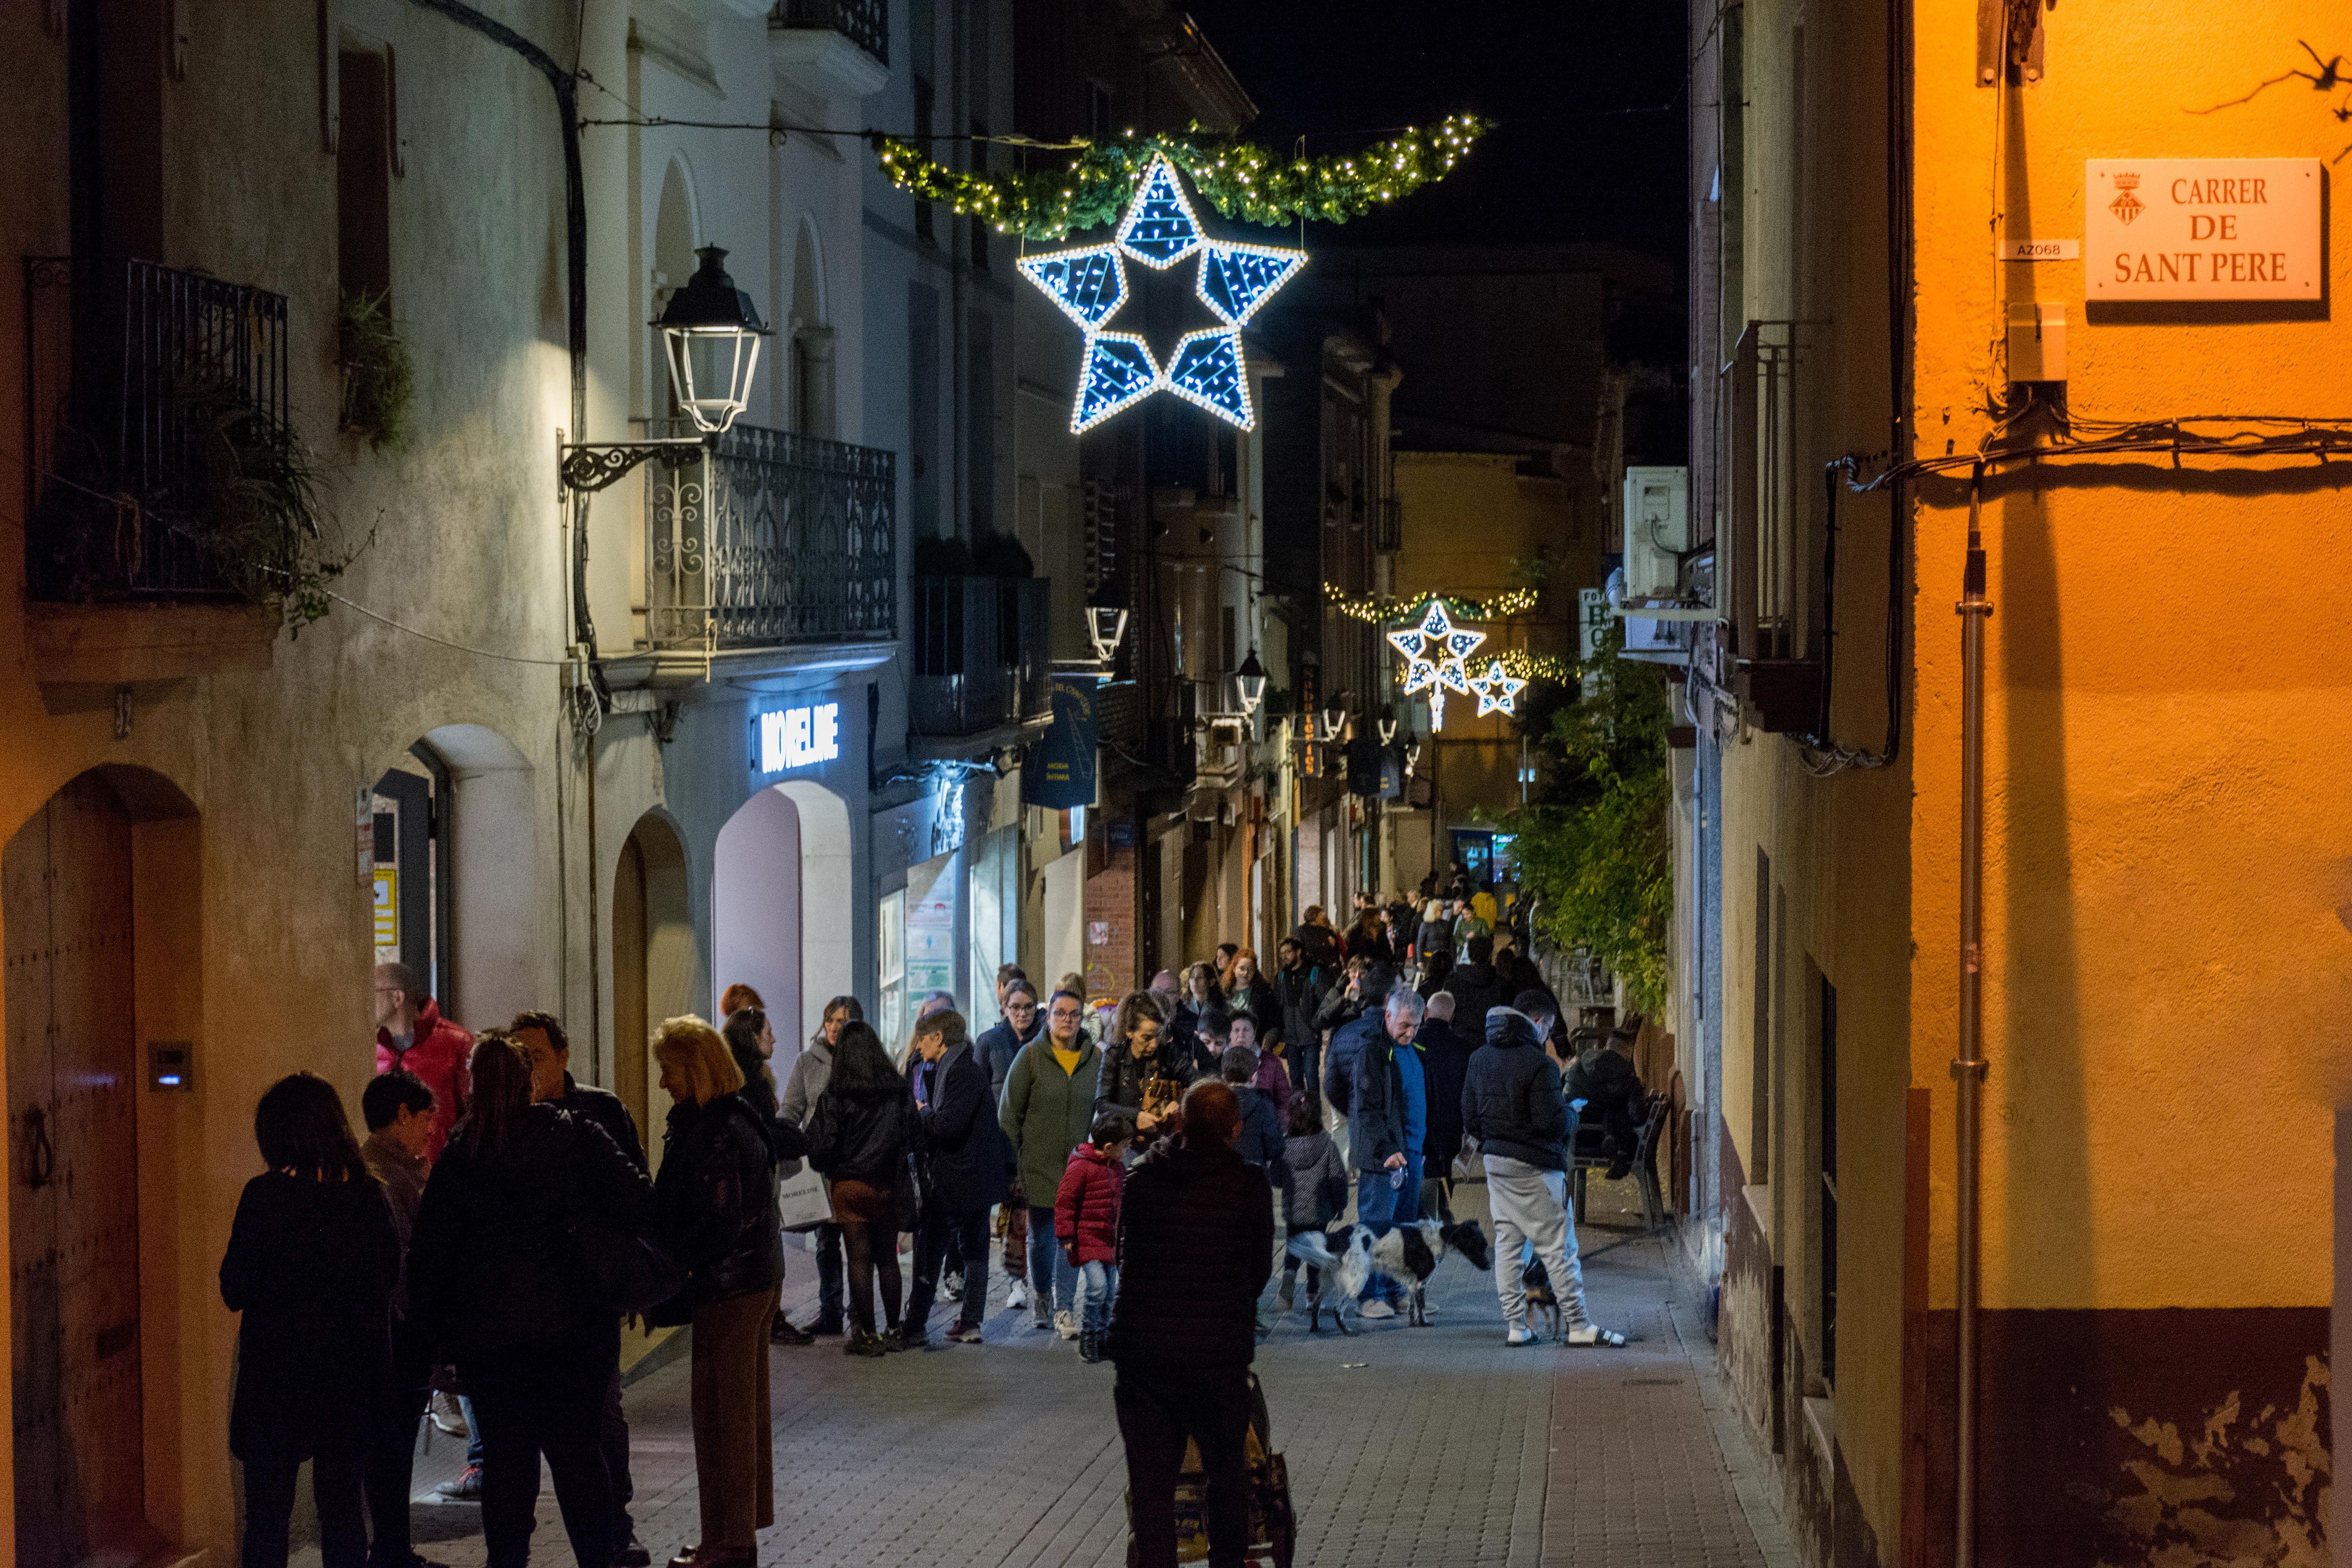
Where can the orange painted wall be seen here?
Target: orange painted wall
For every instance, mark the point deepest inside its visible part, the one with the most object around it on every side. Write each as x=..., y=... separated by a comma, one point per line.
x=2167, y=798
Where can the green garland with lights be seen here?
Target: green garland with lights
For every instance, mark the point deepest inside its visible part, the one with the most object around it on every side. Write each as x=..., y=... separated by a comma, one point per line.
x=1387, y=608
x=1240, y=179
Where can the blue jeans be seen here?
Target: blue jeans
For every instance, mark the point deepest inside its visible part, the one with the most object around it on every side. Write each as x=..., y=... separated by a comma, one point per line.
x=1098, y=1286
x=1053, y=1284
x=1380, y=1205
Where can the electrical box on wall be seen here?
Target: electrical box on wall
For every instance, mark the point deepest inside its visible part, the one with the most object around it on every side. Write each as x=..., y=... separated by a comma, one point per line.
x=2037, y=341
x=1657, y=531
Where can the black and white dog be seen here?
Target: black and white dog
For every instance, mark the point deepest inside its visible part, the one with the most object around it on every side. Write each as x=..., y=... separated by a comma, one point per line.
x=1409, y=1254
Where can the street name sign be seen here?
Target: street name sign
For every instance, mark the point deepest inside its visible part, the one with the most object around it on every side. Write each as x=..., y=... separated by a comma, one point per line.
x=2201, y=229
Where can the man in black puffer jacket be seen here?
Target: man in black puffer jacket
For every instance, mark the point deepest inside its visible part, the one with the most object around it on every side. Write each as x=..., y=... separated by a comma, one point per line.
x=1195, y=1250
x=1512, y=1104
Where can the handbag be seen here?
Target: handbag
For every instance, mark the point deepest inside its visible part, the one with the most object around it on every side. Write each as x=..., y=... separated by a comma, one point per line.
x=1469, y=1165
x=907, y=1195
x=626, y=1272
x=805, y=1201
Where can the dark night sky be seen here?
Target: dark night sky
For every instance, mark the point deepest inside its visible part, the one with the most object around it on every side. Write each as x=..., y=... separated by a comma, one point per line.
x=1561, y=166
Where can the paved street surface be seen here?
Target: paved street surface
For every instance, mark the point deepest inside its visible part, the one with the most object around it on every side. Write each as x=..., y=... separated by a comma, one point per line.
x=1423, y=1446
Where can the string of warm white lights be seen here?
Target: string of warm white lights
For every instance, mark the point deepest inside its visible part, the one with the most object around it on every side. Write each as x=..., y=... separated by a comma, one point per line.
x=1386, y=608
x=1240, y=179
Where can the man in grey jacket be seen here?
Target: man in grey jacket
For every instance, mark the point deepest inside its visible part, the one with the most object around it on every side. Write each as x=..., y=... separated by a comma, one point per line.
x=811, y=1071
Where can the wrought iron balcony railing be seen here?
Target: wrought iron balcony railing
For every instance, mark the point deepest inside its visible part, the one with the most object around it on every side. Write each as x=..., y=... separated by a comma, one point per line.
x=770, y=537
x=980, y=653
x=865, y=22
x=155, y=401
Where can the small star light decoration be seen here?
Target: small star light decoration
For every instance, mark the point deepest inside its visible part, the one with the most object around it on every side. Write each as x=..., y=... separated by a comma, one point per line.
x=1088, y=282
x=1434, y=648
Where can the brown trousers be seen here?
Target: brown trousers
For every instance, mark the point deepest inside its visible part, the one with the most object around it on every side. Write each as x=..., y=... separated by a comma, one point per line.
x=1016, y=1239
x=733, y=1464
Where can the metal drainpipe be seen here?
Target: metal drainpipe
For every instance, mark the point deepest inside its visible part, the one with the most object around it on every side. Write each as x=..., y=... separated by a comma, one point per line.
x=1969, y=1068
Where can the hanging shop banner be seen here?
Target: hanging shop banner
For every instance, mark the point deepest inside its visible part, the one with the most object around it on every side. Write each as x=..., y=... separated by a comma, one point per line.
x=1060, y=772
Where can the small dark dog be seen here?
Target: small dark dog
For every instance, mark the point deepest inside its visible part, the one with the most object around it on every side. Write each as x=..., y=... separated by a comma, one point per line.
x=1536, y=1280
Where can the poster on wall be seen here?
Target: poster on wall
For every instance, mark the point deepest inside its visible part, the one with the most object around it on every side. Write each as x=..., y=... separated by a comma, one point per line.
x=930, y=928
x=1060, y=772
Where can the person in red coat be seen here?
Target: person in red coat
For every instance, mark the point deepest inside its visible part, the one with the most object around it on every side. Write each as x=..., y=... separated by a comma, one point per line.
x=1085, y=1217
x=411, y=1034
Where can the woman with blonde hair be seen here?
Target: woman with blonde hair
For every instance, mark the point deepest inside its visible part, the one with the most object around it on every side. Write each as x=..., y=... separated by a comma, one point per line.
x=717, y=1200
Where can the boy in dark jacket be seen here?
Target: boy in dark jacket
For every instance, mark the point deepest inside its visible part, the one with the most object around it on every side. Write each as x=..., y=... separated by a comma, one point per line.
x=1318, y=1196
x=1086, y=1219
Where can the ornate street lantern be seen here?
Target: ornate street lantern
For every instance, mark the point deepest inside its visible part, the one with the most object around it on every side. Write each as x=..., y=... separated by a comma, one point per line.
x=711, y=332
x=1251, y=680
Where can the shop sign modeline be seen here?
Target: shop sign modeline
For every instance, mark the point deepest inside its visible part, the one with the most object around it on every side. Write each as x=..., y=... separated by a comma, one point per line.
x=2201, y=229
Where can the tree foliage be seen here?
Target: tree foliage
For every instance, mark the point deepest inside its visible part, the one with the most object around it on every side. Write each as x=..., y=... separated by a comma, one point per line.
x=1593, y=848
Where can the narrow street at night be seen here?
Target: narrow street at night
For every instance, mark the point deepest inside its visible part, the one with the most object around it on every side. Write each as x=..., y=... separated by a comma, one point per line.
x=670, y=668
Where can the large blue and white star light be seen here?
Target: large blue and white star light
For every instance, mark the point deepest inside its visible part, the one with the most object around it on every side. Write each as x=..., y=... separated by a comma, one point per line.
x=1434, y=649
x=1158, y=230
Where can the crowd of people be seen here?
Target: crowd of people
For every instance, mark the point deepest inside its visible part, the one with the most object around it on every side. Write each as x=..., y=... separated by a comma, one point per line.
x=476, y=1257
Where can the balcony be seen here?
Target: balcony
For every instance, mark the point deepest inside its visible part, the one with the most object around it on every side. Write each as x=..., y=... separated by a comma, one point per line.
x=835, y=48
x=161, y=478
x=1769, y=562
x=771, y=553
x=981, y=656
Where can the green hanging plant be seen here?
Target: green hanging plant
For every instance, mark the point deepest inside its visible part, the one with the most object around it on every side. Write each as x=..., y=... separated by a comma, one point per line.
x=379, y=381
x=1241, y=180
x=1594, y=848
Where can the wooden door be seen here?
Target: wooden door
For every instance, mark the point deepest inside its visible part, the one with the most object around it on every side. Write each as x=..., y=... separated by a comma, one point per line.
x=73, y=1181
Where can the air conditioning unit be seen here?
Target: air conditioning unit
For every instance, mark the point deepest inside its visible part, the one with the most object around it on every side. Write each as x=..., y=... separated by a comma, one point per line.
x=1657, y=531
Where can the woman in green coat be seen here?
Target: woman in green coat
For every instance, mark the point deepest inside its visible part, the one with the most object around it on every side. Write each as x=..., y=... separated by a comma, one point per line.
x=1048, y=1105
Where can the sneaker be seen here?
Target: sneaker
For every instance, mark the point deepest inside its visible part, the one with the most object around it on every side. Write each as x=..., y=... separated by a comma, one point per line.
x=863, y=1343
x=447, y=1414
x=907, y=1337
x=1592, y=1334
x=826, y=1328
x=1284, y=1294
x=964, y=1334
x=1066, y=1324
x=784, y=1334
x=1376, y=1309
x=1519, y=1336
x=467, y=1488
x=951, y=1287
x=1016, y=1296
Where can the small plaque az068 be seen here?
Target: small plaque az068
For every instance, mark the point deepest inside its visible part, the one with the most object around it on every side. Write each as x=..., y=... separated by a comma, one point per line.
x=2201, y=229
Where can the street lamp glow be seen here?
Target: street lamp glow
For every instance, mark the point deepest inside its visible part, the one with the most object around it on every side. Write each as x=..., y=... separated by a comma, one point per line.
x=1106, y=628
x=711, y=333
x=1250, y=679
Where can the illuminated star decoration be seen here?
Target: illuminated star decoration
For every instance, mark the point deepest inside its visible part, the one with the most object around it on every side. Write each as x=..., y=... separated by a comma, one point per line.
x=1088, y=284
x=1497, y=691
x=1433, y=649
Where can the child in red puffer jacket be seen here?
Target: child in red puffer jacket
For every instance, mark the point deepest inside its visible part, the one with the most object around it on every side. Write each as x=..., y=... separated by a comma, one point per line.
x=1085, y=1222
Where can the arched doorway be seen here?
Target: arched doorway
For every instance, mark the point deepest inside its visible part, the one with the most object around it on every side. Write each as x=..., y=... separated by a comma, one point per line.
x=71, y=881
x=783, y=912
x=456, y=870
x=654, y=964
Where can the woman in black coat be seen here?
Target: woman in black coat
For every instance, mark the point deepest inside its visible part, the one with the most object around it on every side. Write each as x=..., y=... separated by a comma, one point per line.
x=498, y=1276
x=312, y=1261
x=717, y=1199
x=859, y=1135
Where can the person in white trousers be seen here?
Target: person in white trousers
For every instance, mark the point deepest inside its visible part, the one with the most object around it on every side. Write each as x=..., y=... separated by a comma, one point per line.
x=1511, y=1103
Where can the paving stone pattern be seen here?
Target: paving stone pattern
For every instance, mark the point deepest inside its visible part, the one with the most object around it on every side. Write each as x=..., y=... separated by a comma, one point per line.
x=1430, y=1447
